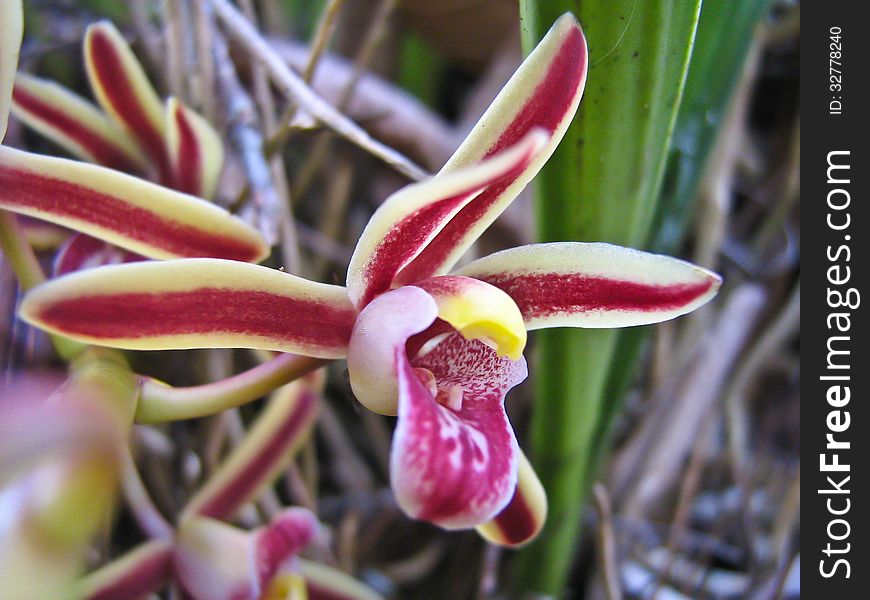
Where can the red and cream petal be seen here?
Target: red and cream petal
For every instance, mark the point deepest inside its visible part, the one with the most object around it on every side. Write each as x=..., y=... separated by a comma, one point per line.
x=74, y=124
x=195, y=303
x=409, y=219
x=575, y=284
x=81, y=252
x=216, y=561
x=267, y=449
x=11, y=30
x=524, y=516
x=326, y=583
x=196, y=152
x=129, y=212
x=122, y=89
x=454, y=454
x=543, y=93
x=381, y=330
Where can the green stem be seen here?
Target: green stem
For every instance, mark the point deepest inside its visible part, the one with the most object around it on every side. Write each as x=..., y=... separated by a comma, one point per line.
x=29, y=273
x=159, y=403
x=19, y=253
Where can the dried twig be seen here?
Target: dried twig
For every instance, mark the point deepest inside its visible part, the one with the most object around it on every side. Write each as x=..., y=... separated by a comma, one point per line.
x=607, y=544
x=388, y=112
x=266, y=104
x=268, y=207
x=292, y=85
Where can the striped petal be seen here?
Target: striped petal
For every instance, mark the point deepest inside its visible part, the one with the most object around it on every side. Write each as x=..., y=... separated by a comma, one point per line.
x=122, y=89
x=129, y=212
x=524, y=516
x=327, y=583
x=75, y=124
x=82, y=252
x=574, y=284
x=454, y=454
x=11, y=30
x=543, y=93
x=196, y=152
x=266, y=450
x=195, y=303
x=412, y=217
x=216, y=561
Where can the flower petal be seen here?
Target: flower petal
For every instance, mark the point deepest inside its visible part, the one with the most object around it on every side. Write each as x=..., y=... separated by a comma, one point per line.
x=267, y=449
x=196, y=152
x=326, y=583
x=129, y=212
x=11, y=30
x=409, y=219
x=195, y=303
x=574, y=284
x=82, y=252
x=122, y=89
x=136, y=574
x=479, y=311
x=454, y=454
x=74, y=124
x=524, y=516
x=544, y=92
x=216, y=561
x=380, y=332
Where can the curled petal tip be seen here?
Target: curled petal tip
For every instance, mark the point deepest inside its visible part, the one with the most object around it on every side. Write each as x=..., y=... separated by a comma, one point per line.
x=522, y=519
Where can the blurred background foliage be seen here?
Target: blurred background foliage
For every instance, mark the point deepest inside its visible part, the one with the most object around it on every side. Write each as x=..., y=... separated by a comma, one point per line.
x=687, y=142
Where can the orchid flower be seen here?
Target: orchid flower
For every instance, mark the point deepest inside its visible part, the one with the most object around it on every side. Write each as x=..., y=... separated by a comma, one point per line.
x=121, y=218
x=211, y=559
x=58, y=473
x=438, y=348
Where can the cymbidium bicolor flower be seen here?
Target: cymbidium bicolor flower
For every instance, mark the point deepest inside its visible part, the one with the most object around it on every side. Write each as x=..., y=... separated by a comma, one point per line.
x=120, y=217
x=213, y=560
x=436, y=347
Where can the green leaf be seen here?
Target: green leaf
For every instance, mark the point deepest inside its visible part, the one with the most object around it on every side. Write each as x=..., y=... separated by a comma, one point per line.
x=724, y=34
x=601, y=185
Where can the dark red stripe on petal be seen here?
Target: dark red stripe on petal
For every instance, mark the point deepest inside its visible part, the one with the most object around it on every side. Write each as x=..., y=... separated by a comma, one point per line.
x=21, y=190
x=517, y=521
x=321, y=592
x=224, y=504
x=119, y=90
x=552, y=98
x=201, y=311
x=102, y=151
x=188, y=169
x=145, y=578
x=403, y=241
x=546, y=108
x=542, y=295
